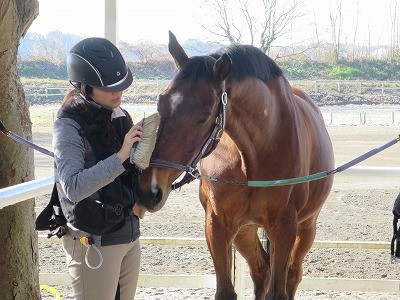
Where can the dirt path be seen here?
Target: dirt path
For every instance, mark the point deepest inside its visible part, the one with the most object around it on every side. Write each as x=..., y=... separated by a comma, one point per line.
x=357, y=209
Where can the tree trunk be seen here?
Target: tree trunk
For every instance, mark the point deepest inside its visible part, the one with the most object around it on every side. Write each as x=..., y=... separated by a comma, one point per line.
x=19, y=276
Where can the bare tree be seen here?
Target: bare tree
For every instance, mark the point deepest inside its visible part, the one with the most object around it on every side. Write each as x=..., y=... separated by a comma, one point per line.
x=19, y=277
x=148, y=51
x=256, y=22
x=355, y=33
x=394, y=39
x=336, y=21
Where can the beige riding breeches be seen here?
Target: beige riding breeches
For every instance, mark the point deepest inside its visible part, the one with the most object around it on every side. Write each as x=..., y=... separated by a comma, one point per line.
x=120, y=267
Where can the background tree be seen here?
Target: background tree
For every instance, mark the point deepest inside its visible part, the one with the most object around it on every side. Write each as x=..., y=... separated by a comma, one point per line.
x=336, y=21
x=394, y=46
x=255, y=22
x=18, y=242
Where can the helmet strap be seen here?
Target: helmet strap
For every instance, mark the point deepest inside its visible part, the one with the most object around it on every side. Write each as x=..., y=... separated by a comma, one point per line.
x=81, y=88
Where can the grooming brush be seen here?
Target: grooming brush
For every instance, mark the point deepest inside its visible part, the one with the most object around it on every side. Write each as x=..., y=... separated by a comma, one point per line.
x=141, y=151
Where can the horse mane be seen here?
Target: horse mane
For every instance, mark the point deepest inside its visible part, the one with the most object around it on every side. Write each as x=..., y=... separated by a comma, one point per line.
x=196, y=67
x=247, y=61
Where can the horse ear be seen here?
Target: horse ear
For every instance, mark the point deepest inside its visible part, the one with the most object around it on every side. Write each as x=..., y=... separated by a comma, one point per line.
x=222, y=68
x=176, y=51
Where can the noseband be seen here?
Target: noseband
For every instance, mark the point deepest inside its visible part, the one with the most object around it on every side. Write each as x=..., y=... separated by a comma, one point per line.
x=192, y=171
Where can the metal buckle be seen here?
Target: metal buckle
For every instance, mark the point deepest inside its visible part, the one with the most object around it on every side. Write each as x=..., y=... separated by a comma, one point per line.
x=224, y=98
x=194, y=172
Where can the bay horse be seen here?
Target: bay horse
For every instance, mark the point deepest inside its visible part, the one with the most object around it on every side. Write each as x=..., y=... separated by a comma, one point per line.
x=270, y=131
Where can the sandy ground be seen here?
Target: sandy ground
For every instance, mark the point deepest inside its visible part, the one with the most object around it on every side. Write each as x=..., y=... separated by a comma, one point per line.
x=358, y=209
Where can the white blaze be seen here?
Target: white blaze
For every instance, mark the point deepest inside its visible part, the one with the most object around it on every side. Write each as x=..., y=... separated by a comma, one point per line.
x=154, y=182
x=176, y=98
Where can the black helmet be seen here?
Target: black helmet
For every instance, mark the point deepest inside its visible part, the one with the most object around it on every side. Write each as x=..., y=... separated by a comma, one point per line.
x=98, y=63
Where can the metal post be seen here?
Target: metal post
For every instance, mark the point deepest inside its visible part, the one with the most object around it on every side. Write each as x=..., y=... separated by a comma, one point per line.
x=110, y=21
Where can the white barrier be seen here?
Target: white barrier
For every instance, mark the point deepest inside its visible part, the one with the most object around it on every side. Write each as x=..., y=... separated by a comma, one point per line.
x=24, y=191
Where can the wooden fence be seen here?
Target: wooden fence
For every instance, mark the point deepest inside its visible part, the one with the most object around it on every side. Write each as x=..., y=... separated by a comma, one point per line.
x=154, y=87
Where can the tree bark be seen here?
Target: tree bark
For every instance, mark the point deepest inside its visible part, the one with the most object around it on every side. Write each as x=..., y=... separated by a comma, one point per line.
x=19, y=275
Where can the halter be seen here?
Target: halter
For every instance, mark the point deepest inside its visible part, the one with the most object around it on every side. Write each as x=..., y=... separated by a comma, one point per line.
x=192, y=171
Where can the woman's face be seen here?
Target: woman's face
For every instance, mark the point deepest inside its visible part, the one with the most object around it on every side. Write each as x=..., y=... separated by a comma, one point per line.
x=106, y=99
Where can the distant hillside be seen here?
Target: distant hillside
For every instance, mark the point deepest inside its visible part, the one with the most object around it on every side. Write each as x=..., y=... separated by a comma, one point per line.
x=43, y=56
x=56, y=44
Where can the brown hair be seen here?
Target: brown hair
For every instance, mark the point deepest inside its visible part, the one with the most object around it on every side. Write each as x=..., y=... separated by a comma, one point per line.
x=79, y=88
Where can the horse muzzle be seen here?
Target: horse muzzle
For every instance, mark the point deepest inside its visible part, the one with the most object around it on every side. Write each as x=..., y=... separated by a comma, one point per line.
x=150, y=194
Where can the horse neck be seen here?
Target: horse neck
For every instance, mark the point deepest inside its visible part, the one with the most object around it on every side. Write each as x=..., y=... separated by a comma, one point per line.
x=255, y=119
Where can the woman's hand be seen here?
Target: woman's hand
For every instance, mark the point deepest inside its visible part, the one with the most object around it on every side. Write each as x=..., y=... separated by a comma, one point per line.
x=134, y=135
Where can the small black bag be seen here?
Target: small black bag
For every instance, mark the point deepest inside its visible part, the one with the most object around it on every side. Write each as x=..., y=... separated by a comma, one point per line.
x=395, y=244
x=90, y=216
x=52, y=217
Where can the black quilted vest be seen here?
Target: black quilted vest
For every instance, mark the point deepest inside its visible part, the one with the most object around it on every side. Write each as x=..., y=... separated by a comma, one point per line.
x=107, y=213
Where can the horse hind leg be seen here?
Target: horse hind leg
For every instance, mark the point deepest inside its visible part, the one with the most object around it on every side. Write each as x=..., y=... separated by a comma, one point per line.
x=304, y=239
x=249, y=246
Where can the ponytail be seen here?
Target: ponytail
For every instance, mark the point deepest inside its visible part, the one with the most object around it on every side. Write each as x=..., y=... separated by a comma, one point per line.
x=79, y=88
x=68, y=97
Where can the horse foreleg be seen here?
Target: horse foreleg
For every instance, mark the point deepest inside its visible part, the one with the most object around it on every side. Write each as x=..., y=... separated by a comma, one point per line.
x=249, y=246
x=305, y=237
x=219, y=241
x=282, y=236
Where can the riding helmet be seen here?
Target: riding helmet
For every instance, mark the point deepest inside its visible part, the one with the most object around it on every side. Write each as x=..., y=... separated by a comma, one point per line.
x=98, y=63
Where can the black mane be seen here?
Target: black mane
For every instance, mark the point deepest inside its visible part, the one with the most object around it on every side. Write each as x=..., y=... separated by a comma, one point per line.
x=197, y=67
x=247, y=61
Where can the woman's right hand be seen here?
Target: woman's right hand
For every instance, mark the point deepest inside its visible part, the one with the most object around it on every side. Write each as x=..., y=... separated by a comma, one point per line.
x=134, y=135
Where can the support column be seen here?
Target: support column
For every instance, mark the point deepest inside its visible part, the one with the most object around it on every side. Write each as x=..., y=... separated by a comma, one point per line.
x=110, y=20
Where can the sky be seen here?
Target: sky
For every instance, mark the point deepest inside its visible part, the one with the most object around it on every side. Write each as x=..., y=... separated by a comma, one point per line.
x=150, y=20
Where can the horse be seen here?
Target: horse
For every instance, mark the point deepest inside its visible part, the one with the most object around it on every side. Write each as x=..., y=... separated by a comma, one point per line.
x=235, y=115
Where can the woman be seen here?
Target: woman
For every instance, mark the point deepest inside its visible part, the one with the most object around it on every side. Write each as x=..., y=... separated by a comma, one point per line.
x=92, y=141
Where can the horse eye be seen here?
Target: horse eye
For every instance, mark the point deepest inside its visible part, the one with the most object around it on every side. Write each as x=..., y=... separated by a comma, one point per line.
x=204, y=119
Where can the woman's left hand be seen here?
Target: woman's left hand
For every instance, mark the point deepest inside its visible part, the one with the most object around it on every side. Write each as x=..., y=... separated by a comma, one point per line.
x=134, y=135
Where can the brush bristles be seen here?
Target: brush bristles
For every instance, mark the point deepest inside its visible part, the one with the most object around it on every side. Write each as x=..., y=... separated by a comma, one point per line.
x=141, y=154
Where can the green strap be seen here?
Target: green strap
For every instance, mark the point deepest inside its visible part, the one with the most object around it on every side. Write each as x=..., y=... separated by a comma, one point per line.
x=258, y=183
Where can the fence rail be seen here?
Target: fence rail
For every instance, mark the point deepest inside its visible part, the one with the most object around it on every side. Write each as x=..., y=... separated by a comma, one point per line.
x=156, y=86
x=362, y=116
x=343, y=86
x=15, y=194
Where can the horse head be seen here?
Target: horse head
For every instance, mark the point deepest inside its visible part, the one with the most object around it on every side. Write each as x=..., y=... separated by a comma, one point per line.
x=188, y=111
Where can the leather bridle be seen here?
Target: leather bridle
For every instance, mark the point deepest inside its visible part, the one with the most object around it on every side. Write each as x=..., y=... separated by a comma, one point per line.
x=192, y=170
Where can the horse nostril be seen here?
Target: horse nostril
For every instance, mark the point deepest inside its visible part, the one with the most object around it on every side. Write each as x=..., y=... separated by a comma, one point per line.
x=158, y=195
